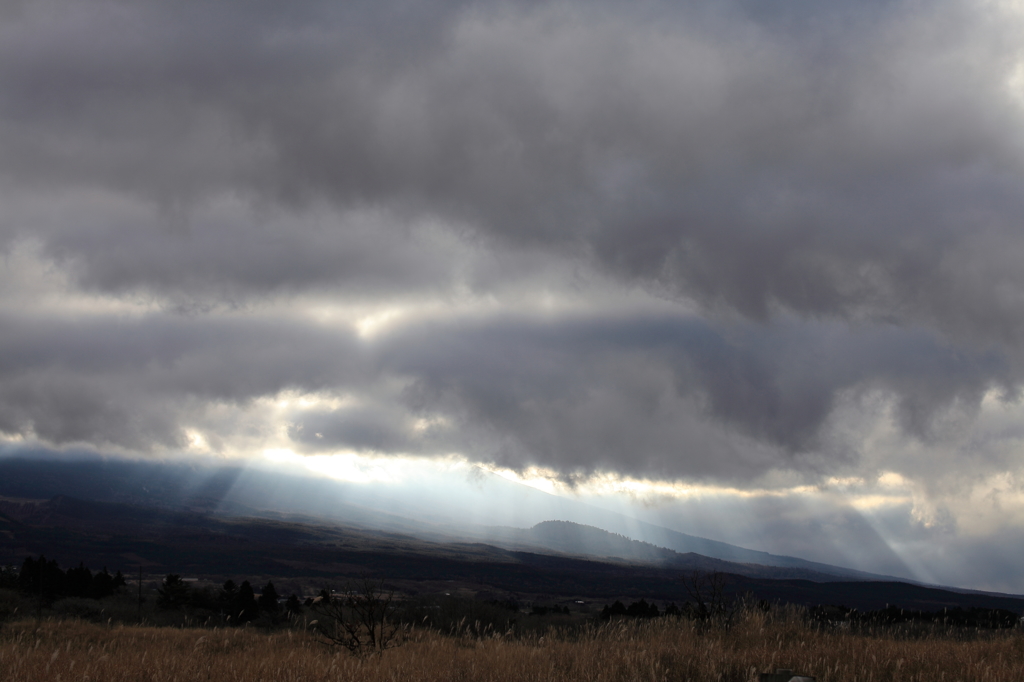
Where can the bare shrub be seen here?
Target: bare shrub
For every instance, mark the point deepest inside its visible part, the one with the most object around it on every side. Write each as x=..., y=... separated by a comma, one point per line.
x=359, y=619
x=708, y=604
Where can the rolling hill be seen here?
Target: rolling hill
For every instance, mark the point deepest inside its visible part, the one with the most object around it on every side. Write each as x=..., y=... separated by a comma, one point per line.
x=213, y=523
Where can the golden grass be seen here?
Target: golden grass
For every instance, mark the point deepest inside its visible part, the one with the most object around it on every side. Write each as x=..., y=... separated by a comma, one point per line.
x=658, y=650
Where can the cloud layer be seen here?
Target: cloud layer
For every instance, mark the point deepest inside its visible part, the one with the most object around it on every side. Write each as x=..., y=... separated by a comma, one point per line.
x=850, y=162
x=738, y=244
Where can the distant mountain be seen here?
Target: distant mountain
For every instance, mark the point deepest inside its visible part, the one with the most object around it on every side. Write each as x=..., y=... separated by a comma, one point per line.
x=681, y=542
x=575, y=539
x=306, y=557
x=416, y=510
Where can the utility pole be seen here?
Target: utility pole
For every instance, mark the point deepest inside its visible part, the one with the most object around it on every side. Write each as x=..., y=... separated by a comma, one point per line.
x=140, y=594
x=39, y=604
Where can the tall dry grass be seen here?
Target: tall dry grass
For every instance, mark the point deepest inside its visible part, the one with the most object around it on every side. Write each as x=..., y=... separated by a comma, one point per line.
x=654, y=650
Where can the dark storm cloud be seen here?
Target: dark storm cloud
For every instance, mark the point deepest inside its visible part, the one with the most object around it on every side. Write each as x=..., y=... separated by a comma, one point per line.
x=835, y=188
x=138, y=383
x=849, y=161
x=648, y=395
x=235, y=253
x=661, y=396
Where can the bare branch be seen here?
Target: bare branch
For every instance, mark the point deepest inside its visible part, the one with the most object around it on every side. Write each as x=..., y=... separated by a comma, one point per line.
x=359, y=618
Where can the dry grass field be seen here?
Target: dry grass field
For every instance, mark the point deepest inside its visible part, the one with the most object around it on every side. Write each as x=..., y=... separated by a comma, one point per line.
x=663, y=649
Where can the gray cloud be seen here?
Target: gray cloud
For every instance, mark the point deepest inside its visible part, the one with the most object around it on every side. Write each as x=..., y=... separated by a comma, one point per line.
x=649, y=395
x=138, y=383
x=375, y=428
x=635, y=394
x=839, y=162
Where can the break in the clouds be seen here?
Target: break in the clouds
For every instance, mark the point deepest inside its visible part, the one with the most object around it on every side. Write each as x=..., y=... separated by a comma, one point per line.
x=741, y=244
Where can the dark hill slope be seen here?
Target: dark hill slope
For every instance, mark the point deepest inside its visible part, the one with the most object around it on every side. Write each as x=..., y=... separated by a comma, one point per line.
x=574, y=539
x=250, y=492
x=125, y=537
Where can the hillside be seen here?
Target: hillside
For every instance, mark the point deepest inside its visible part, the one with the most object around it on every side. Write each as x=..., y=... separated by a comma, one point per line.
x=199, y=545
x=579, y=540
x=417, y=512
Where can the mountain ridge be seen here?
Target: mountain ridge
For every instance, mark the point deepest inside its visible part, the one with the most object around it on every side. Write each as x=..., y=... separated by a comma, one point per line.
x=576, y=539
x=162, y=541
x=237, y=491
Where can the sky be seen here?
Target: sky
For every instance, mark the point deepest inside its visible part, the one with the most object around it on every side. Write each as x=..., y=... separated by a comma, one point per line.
x=752, y=268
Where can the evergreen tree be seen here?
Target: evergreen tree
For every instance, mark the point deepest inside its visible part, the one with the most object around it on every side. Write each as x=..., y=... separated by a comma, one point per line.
x=616, y=609
x=79, y=581
x=638, y=609
x=293, y=605
x=228, y=598
x=28, y=576
x=174, y=592
x=104, y=584
x=42, y=579
x=204, y=598
x=268, y=599
x=245, y=607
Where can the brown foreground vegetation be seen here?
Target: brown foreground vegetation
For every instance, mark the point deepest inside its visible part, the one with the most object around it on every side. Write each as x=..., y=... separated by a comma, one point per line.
x=660, y=649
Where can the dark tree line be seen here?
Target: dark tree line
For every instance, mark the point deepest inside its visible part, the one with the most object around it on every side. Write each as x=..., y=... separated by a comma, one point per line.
x=46, y=580
x=238, y=604
x=638, y=609
x=707, y=601
x=971, y=617
x=545, y=610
